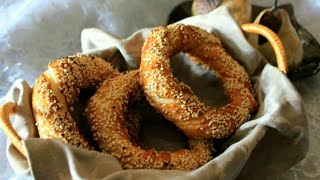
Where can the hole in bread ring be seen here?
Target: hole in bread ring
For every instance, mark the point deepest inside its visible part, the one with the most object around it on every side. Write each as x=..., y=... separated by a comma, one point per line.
x=109, y=130
x=58, y=88
x=181, y=107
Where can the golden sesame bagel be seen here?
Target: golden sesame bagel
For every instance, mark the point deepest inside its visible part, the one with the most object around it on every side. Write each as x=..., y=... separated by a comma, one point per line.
x=181, y=106
x=106, y=114
x=57, y=89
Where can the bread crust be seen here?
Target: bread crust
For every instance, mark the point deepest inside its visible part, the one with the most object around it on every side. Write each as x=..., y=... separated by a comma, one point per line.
x=56, y=90
x=106, y=115
x=183, y=108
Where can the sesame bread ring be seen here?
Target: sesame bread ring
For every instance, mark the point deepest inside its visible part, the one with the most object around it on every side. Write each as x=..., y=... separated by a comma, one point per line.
x=106, y=114
x=57, y=89
x=181, y=106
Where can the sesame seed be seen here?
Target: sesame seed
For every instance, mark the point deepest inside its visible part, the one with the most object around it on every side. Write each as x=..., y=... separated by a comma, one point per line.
x=121, y=129
x=57, y=89
x=164, y=91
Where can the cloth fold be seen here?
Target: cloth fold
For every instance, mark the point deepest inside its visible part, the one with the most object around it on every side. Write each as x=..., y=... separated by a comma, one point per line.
x=271, y=142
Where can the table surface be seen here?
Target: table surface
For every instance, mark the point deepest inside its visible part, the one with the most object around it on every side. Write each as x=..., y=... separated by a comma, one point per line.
x=307, y=13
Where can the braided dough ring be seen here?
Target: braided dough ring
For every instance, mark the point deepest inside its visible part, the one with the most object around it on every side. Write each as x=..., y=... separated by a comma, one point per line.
x=106, y=112
x=56, y=90
x=182, y=107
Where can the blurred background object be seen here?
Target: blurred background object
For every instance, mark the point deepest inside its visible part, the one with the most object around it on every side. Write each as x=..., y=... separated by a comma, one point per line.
x=302, y=48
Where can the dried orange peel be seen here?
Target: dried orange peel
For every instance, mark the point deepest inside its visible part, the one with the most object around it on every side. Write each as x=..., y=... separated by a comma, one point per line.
x=5, y=111
x=274, y=41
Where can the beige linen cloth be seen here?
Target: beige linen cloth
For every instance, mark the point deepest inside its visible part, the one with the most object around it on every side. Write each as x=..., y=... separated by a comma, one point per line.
x=272, y=141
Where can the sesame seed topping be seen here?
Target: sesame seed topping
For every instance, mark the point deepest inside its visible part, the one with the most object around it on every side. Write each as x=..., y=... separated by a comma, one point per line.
x=175, y=100
x=116, y=130
x=57, y=89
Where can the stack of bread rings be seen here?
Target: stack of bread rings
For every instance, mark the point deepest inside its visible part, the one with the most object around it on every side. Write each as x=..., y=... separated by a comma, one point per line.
x=115, y=129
